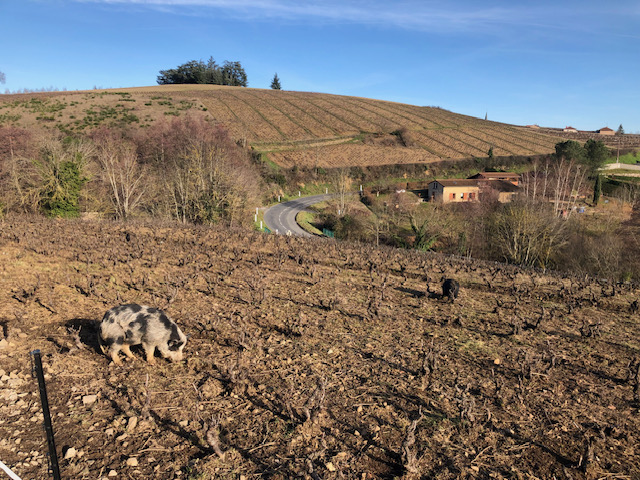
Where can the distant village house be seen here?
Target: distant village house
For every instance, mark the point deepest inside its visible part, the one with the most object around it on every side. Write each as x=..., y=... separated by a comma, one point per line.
x=606, y=131
x=504, y=185
x=445, y=191
x=570, y=129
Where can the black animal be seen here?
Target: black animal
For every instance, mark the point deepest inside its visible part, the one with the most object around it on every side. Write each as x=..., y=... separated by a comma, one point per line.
x=450, y=289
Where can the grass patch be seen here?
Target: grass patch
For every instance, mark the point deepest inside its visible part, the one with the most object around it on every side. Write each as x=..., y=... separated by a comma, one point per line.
x=306, y=221
x=259, y=219
x=8, y=118
x=631, y=158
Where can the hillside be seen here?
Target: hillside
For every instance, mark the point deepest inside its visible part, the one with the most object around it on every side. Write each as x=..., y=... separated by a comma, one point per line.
x=293, y=128
x=311, y=359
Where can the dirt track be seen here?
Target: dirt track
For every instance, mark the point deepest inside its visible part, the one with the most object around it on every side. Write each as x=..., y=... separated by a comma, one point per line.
x=311, y=359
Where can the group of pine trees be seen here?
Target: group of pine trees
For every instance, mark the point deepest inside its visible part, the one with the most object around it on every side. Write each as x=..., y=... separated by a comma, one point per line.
x=199, y=72
x=209, y=73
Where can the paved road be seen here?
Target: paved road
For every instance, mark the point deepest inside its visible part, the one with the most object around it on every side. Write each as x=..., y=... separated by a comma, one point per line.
x=282, y=217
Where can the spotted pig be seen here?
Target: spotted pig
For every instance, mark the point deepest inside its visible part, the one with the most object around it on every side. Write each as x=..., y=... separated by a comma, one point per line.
x=127, y=325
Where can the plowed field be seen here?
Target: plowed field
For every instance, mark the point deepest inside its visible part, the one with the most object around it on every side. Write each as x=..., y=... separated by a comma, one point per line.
x=311, y=359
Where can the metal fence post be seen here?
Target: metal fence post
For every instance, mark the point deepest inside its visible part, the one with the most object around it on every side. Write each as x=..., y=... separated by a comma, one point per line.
x=53, y=456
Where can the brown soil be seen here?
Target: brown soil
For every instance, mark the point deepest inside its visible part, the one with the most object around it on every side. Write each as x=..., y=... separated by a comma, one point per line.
x=310, y=359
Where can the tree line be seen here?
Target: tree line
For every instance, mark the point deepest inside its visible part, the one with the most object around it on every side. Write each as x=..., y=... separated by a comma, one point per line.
x=185, y=169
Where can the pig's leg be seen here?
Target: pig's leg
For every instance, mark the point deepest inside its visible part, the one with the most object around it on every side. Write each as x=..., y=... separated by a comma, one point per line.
x=126, y=350
x=150, y=350
x=114, y=355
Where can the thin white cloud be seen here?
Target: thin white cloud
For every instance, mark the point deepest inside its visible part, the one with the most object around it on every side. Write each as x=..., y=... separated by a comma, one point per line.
x=440, y=17
x=412, y=15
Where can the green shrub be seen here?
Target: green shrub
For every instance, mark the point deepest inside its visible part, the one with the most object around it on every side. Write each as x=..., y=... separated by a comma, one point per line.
x=61, y=198
x=350, y=227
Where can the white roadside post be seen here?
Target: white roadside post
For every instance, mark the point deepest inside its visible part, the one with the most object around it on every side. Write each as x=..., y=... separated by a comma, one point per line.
x=6, y=470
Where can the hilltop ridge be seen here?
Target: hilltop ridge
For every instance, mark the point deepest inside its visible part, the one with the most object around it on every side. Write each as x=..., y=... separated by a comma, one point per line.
x=291, y=128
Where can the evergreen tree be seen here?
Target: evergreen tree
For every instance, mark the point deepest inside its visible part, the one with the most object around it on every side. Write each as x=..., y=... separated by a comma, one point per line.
x=596, y=153
x=61, y=172
x=620, y=130
x=570, y=150
x=231, y=73
x=275, y=83
x=490, y=152
x=597, y=190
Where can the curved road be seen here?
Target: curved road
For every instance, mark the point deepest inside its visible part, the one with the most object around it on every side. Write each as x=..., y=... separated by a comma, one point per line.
x=281, y=218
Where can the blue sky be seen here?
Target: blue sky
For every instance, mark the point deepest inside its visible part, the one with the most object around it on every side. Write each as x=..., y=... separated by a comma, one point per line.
x=554, y=63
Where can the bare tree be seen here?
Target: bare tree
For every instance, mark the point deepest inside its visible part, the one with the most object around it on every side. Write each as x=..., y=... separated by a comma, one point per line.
x=342, y=183
x=558, y=180
x=16, y=147
x=568, y=177
x=123, y=174
x=628, y=193
x=204, y=175
x=211, y=181
x=527, y=233
x=3, y=78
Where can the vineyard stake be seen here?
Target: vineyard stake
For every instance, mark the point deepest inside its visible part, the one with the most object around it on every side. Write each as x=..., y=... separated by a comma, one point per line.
x=53, y=457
